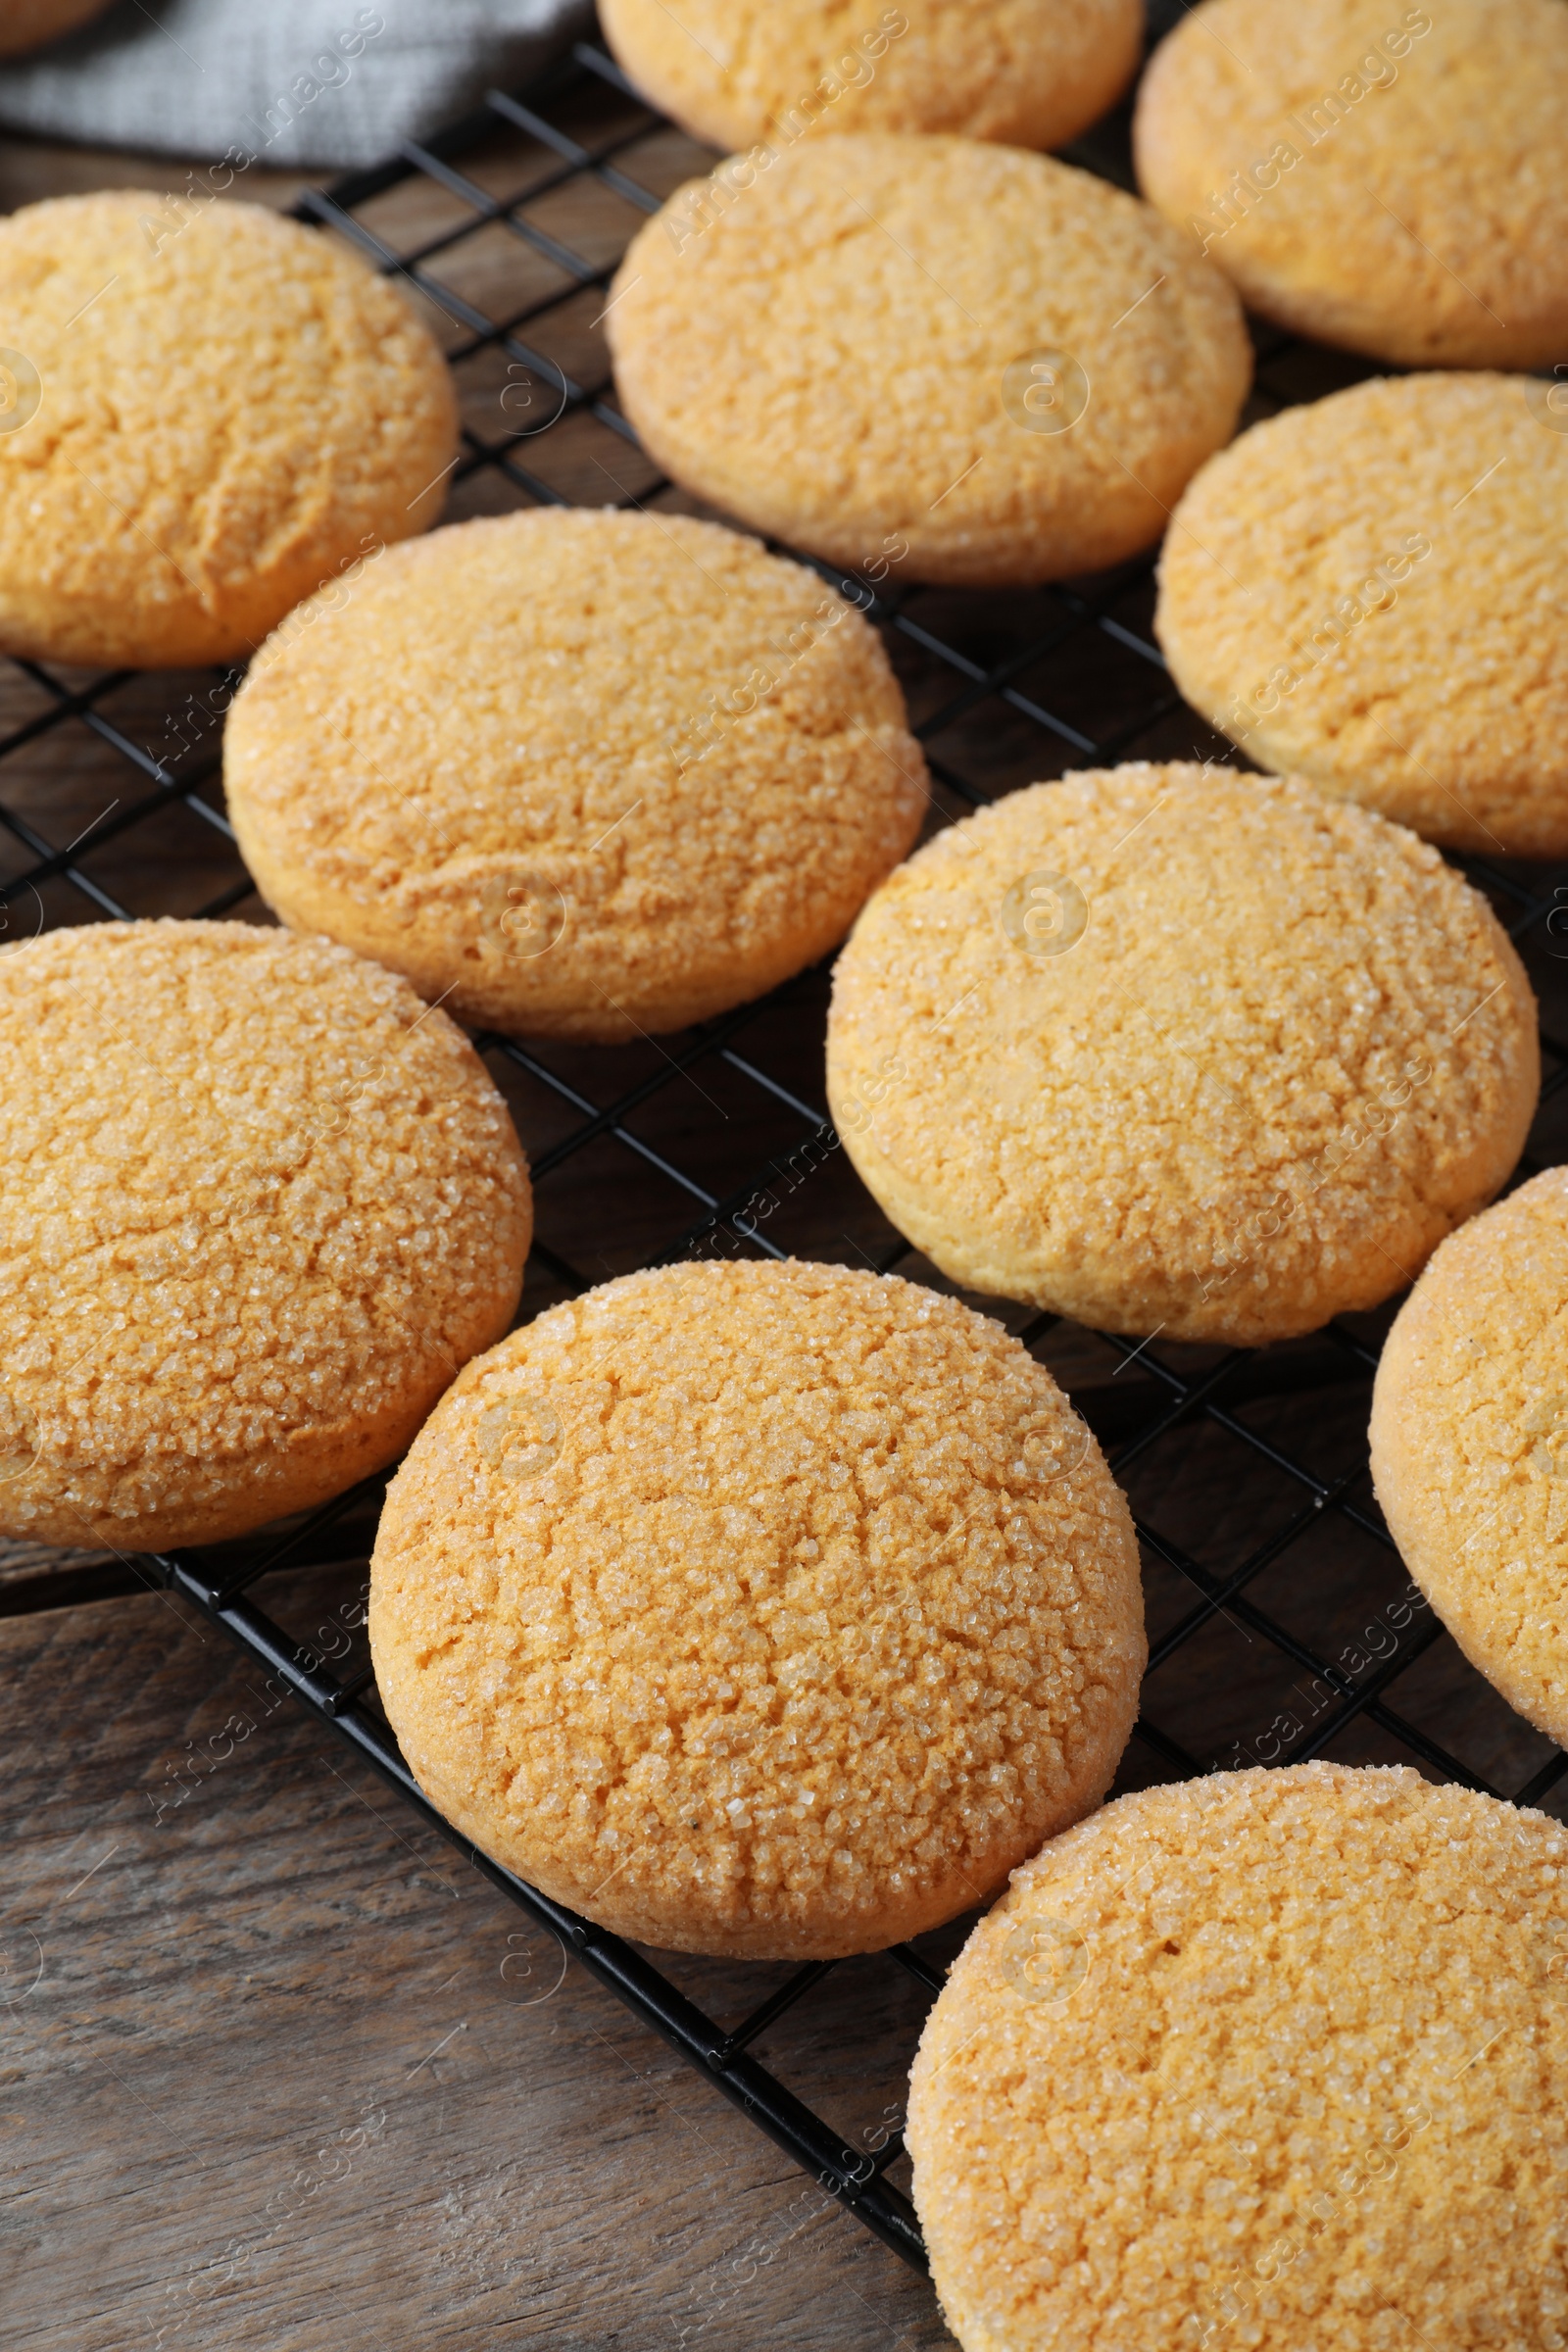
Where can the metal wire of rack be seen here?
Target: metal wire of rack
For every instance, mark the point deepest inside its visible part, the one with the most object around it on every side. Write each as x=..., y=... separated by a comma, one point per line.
x=1247, y=1472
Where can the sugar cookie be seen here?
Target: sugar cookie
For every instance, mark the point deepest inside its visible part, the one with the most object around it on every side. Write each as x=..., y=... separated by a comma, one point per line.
x=205, y=413
x=738, y=73
x=1002, y=364
x=1470, y=1443
x=577, y=773
x=1269, y=2058
x=758, y=1608
x=259, y=1206
x=1393, y=179
x=1167, y=1049
x=1365, y=592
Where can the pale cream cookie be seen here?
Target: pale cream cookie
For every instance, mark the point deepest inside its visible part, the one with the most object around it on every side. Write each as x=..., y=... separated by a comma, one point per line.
x=1366, y=592
x=1470, y=1443
x=1388, y=178
x=742, y=72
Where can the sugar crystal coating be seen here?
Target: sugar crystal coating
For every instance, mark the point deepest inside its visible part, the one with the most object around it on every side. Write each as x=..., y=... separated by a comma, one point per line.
x=1162, y=1045
x=1032, y=72
x=1470, y=1443
x=1365, y=592
x=758, y=1608
x=232, y=411
x=927, y=303
x=580, y=773
x=1393, y=179
x=257, y=1205
x=1273, y=2059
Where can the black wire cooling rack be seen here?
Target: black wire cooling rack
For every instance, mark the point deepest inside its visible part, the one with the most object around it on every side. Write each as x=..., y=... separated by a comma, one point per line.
x=1282, y=1626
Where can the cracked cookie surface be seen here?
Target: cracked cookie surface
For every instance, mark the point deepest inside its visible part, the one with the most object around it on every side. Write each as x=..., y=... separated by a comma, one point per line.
x=1157, y=1047
x=258, y=1205
x=1004, y=363
x=770, y=1609
x=1391, y=180
x=579, y=773
x=1032, y=73
x=1470, y=1443
x=1266, y=2058
x=232, y=409
x=1364, y=592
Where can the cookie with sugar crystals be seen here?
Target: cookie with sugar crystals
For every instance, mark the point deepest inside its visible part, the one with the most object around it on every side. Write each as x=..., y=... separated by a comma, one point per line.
x=205, y=413
x=767, y=1609
x=1470, y=1443
x=1391, y=180
x=740, y=73
x=1267, y=2058
x=259, y=1206
x=1171, y=1049
x=1360, y=592
x=577, y=773
x=995, y=362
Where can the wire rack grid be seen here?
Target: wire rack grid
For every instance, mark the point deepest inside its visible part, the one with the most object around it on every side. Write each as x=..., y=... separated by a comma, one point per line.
x=1282, y=1626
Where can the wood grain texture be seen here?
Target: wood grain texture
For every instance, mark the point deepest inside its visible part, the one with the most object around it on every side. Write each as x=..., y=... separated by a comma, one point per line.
x=33, y=170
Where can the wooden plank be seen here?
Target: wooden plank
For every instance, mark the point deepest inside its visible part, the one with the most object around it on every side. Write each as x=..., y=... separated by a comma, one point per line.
x=31, y=170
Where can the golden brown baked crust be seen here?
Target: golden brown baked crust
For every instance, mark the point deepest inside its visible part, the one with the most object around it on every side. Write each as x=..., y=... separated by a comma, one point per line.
x=224, y=411
x=1393, y=179
x=1362, y=592
x=257, y=1206
x=581, y=774
x=1032, y=72
x=1162, y=1048
x=998, y=361
x=758, y=1608
x=1267, y=2059
x=1470, y=1443
x=28, y=23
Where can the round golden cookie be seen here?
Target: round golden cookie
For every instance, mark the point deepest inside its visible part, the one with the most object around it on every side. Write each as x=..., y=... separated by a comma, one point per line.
x=1391, y=180
x=1174, y=1048
x=736, y=72
x=1273, y=2059
x=28, y=23
x=987, y=366
x=1470, y=1443
x=205, y=413
x=770, y=1609
x=579, y=773
x=257, y=1206
x=1365, y=592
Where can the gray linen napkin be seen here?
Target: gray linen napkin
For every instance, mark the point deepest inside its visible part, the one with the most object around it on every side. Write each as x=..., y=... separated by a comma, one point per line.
x=292, y=82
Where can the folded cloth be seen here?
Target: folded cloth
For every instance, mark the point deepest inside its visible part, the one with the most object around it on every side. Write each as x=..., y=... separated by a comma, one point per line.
x=291, y=82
